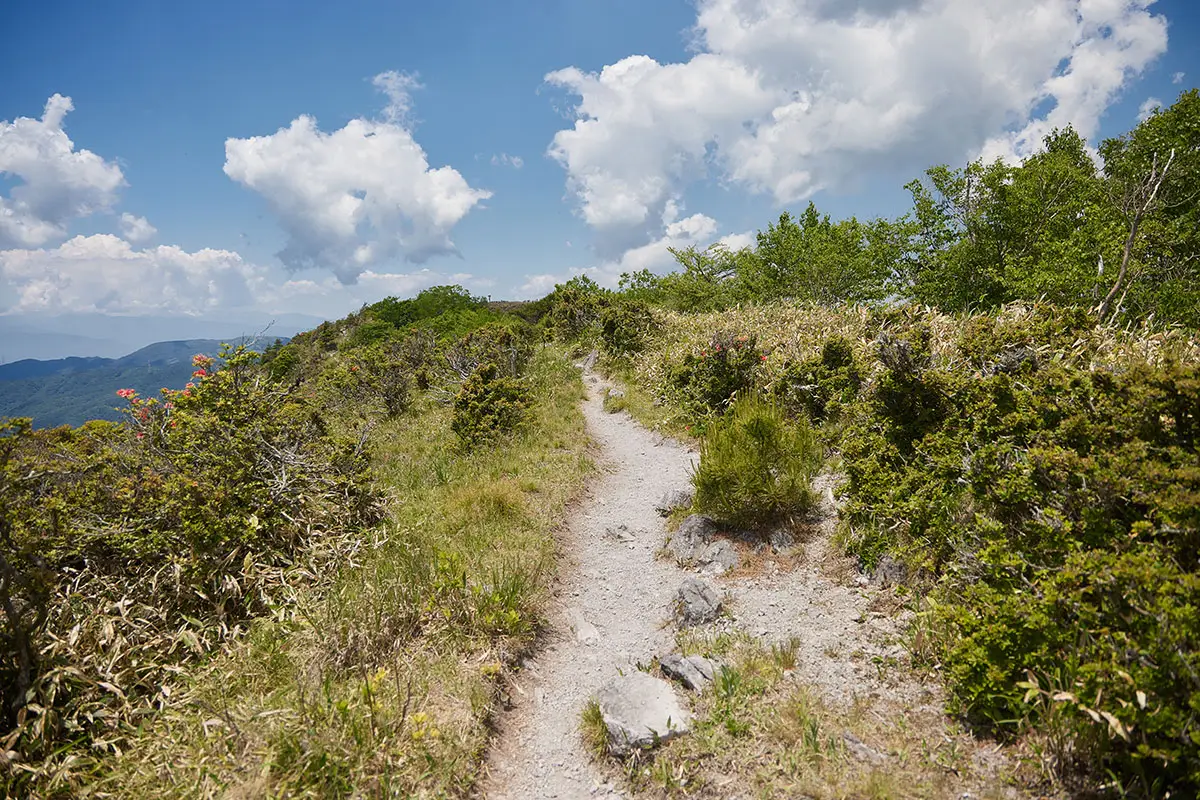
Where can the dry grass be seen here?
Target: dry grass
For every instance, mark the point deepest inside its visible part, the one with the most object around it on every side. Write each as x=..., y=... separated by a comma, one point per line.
x=761, y=733
x=385, y=684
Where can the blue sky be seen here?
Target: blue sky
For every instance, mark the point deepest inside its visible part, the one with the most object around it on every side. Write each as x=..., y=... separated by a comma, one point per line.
x=520, y=142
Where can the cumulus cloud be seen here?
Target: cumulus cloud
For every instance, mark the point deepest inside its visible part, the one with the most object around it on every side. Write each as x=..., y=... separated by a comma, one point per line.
x=697, y=229
x=505, y=160
x=56, y=182
x=1148, y=108
x=356, y=197
x=788, y=97
x=103, y=273
x=136, y=229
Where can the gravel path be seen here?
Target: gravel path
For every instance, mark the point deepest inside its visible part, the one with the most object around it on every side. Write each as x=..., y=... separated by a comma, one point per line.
x=611, y=610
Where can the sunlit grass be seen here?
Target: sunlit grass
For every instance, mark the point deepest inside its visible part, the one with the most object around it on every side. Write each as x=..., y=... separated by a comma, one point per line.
x=384, y=685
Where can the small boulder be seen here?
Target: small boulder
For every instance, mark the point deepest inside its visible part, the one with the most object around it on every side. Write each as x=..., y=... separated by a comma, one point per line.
x=614, y=394
x=640, y=711
x=694, y=672
x=781, y=540
x=889, y=572
x=696, y=603
x=693, y=536
x=861, y=751
x=718, y=557
x=676, y=498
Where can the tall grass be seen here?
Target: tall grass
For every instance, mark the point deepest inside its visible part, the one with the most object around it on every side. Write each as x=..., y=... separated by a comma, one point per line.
x=384, y=685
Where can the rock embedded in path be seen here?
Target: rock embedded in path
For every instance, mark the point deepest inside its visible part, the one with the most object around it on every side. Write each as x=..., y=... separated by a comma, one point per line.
x=696, y=603
x=640, y=711
x=614, y=394
x=718, y=557
x=694, y=672
x=693, y=536
x=672, y=500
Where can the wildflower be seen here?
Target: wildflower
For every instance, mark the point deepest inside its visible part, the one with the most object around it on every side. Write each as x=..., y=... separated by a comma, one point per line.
x=189, y=386
x=125, y=393
x=762, y=358
x=201, y=360
x=200, y=373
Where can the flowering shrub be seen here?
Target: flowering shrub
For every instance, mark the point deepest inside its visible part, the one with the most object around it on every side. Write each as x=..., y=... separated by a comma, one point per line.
x=128, y=549
x=705, y=382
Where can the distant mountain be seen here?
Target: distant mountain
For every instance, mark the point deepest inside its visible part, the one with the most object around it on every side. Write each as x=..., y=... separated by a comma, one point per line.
x=24, y=336
x=71, y=391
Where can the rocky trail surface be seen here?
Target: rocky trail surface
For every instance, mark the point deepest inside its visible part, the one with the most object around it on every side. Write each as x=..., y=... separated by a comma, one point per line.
x=616, y=604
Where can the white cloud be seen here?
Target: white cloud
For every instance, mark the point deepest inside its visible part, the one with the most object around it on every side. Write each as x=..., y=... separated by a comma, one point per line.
x=788, y=97
x=103, y=273
x=1148, y=108
x=357, y=197
x=57, y=183
x=505, y=160
x=136, y=229
x=1178, y=77
x=655, y=256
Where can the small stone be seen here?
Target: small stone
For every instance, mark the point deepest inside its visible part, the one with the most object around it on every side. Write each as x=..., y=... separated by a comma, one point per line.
x=640, y=711
x=613, y=394
x=860, y=751
x=694, y=672
x=673, y=499
x=781, y=540
x=889, y=572
x=693, y=535
x=696, y=603
x=718, y=557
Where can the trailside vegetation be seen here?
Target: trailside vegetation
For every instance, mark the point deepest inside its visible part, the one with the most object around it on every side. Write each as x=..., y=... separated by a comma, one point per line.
x=296, y=575
x=1007, y=382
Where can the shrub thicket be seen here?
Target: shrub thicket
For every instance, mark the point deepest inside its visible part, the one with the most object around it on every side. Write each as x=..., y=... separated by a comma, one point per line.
x=706, y=382
x=489, y=403
x=127, y=550
x=624, y=328
x=756, y=465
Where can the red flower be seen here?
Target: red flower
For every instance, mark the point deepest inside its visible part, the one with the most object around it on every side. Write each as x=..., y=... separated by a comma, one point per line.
x=200, y=373
x=764, y=358
x=201, y=360
x=126, y=393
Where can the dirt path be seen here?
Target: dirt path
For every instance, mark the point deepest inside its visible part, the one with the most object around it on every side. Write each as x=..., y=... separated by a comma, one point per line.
x=610, y=611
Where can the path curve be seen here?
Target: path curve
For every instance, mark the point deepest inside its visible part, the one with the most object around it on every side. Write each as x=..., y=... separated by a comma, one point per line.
x=610, y=610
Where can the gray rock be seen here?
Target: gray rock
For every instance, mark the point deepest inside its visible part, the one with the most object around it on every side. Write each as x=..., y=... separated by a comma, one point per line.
x=861, y=751
x=694, y=672
x=693, y=536
x=718, y=557
x=640, y=711
x=781, y=540
x=614, y=393
x=889, y=572
x=675, y=498
x=696, y=603
x=585, y=632
x=590, y=361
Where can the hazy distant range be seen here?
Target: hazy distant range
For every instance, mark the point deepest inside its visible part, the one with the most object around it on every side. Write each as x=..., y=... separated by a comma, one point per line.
x=100, y=335
x=73, y=378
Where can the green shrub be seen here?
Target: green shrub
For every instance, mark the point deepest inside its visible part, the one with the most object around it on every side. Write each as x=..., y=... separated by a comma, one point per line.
x=508, y=347
x=624, y=328
x=489, y=403
x=821, y=387
x=128, y=550
x=756, y=466
x=706, y=383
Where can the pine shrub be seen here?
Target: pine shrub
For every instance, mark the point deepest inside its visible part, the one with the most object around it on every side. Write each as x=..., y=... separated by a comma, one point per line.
x=756, y=465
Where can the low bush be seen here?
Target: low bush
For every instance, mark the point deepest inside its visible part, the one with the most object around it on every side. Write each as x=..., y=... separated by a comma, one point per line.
x=706, y=383
x=756, y=466
x=128, y=550
x=489, y=404
x=821, y=387
x=625, y=327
